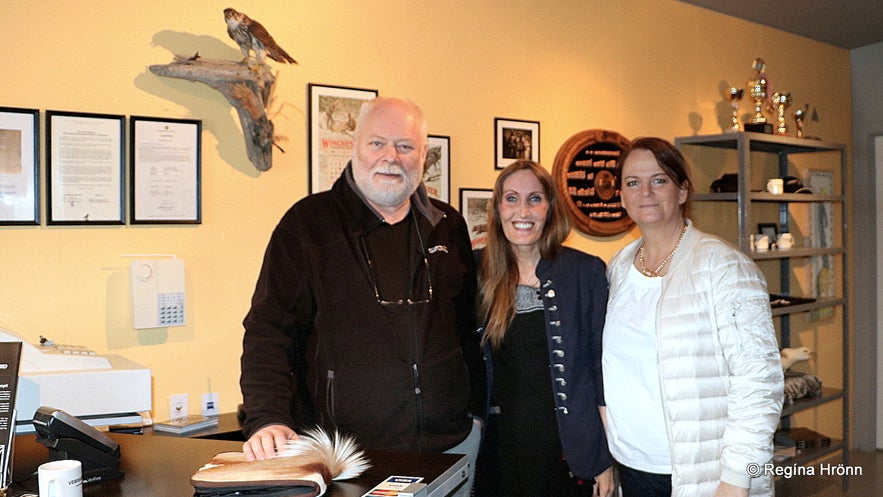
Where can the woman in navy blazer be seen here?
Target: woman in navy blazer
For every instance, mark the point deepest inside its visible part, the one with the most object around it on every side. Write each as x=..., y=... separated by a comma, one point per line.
x=543, y=306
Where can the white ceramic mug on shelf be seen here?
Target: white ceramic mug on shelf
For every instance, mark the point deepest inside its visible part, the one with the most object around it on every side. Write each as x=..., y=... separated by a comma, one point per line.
x=63, y=478
x=775, y=186
x=761, y=243
x=785, y=241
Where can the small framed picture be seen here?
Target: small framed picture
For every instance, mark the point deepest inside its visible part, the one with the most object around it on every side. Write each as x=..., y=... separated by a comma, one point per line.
x=437, y=168
x=19, y=166
x=85, y=168
x=333, y=111
x=515, y=139
x=165, y=170
x=474, y=206
x=769, y=229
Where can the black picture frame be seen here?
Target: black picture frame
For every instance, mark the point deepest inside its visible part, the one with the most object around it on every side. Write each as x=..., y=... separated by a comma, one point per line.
x=474, y=204
x=165, y=170
x=331, y=114
x=769, y=229
x=515, y=139
x=19, y=166
x=437, y=168
x=85, y=168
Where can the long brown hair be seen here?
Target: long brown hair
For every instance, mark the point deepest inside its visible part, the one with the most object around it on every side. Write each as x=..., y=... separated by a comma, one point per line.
x=499, y=268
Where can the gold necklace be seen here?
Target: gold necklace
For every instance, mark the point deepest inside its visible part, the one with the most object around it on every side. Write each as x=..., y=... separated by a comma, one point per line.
x=655, y=272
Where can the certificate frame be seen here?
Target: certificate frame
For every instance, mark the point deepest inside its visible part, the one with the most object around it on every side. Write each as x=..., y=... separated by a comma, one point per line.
x=19, y=166
x=85, y=173
x=172, y=193
x=437, y=168
x=524, y=133
x=332, y=114
x=474, y=204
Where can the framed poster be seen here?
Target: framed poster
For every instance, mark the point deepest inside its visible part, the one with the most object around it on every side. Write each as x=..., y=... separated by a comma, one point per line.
x=333, y=111
x=19, y=166
x=437, y=168
x=515, y=139
x=584, y=174
x=84, y=167
x=165, y=172
x=474, y=206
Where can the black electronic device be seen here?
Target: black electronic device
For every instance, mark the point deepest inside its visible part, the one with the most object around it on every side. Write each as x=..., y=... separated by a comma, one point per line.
x=70, y=438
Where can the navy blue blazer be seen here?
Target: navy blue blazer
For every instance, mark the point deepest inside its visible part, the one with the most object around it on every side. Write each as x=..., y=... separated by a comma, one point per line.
x=574, y=293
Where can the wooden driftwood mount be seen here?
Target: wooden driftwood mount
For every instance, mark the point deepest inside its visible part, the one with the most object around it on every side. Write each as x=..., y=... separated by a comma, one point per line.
x=248, y=88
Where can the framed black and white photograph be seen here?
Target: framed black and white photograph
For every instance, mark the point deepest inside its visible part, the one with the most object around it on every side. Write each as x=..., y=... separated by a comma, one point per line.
x=515, y=139
x=437, y=168
x=19, y=166
x=474, y=205
x=333, y=112
x=165, y=176
x=771, y=230
x=85, y=168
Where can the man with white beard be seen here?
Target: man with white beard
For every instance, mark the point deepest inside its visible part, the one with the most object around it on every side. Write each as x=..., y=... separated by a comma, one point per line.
x=363, y=316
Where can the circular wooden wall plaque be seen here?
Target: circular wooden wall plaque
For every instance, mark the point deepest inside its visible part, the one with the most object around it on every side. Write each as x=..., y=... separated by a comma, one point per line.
x=583, y=172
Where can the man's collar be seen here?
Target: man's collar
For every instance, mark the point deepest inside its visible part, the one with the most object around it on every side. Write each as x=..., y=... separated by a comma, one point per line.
x=419, y=201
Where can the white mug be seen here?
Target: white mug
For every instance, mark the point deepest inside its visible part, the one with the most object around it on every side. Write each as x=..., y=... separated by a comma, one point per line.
x=760, y=243
x=775, y=185
x=785, y=241
x=63, y=478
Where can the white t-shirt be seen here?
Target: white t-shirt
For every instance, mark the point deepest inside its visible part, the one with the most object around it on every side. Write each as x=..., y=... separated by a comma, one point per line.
x=635, y=422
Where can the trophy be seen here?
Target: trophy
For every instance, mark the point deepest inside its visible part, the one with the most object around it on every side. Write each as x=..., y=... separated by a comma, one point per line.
x=800, y=121
x=781, y=101
x=758, y=89
x=734, y=95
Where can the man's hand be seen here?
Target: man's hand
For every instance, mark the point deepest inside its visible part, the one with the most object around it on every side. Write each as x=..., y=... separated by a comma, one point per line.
x=266, y=441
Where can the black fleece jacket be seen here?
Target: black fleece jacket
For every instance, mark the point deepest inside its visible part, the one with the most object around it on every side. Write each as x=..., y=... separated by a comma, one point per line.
x=319, y=349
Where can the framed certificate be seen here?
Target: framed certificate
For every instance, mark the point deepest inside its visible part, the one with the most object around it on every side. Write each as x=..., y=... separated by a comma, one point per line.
x=84, y=166
x=166, y=156
x=19, y=166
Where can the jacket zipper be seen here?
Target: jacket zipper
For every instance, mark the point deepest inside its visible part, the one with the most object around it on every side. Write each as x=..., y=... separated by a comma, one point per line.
x=418, y=406
x=329, y=397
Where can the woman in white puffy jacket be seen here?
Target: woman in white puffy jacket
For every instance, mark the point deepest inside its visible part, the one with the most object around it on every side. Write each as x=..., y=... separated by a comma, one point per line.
x=692, y=372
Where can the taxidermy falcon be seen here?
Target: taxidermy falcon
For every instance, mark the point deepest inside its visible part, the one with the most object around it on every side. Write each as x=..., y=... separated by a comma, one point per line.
x=251, y=36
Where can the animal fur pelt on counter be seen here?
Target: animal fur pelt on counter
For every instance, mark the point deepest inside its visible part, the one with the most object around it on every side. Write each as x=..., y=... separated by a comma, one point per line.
x=305, y=467
x=800, y=385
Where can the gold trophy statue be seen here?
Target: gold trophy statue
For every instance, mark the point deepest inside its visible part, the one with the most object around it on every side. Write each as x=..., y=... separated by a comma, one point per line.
x=781, y=101
x=800, y=121
x=757, y=87
x=734, y=95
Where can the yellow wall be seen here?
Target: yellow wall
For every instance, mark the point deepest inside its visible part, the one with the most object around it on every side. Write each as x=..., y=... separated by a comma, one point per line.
x=639, y=67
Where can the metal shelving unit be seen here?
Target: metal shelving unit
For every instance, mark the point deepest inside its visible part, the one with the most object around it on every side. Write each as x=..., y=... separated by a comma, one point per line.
x=746, y=145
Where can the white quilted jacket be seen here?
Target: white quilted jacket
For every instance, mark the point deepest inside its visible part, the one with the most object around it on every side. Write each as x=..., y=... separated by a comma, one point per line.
x=719, y=365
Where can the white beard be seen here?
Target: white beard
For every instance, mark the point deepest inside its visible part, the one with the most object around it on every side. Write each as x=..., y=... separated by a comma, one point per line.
x=386, y=195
